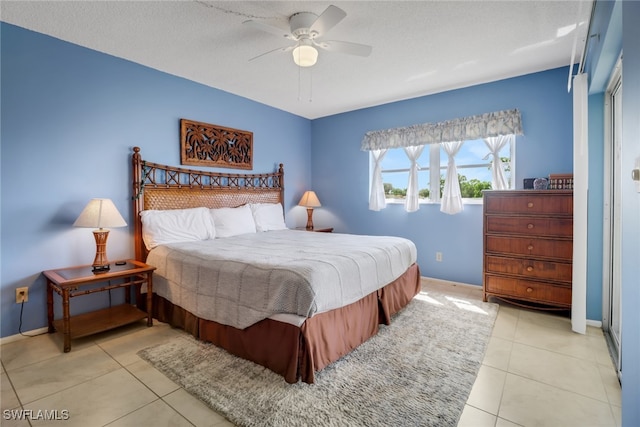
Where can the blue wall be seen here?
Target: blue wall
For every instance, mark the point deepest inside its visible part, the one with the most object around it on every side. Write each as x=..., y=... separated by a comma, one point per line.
x=341, y=171
x=76, y=113
x=70, y=117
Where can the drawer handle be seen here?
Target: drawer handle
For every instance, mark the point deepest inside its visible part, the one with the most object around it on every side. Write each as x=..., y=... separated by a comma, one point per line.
x=530, y=247
x=529, y=290
x=530, y=204
x=530, y=226
x=530, y=268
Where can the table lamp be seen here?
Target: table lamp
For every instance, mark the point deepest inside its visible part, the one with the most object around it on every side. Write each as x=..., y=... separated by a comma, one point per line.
x=310, y=201
x=100, y=213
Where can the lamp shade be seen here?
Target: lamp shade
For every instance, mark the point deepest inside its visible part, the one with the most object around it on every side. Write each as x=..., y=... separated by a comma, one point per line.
x=100, y=213
x=309, y=200
x=305, y=55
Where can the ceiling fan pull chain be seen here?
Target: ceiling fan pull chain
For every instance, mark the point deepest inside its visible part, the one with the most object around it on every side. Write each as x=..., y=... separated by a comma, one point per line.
x=310, y=85
x=299, y=84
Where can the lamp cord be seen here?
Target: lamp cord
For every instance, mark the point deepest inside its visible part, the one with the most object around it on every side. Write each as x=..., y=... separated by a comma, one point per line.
x=20, y=324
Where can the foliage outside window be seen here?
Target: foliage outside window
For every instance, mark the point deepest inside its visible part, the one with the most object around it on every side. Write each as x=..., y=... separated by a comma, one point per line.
x=497, y=130
x=473, y=162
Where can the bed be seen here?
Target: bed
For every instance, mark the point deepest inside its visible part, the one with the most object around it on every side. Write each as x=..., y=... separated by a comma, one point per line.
x=239, y=296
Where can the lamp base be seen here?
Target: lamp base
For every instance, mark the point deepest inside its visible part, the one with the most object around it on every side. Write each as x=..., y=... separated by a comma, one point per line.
x=100, y=269
x=100, y=262
x=309, y=218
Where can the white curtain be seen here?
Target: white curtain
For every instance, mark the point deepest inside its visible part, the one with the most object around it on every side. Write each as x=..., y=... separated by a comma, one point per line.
x=580, y=195
x=451, y=197
x=495, y=144
x=411, y=203
x=377, y=197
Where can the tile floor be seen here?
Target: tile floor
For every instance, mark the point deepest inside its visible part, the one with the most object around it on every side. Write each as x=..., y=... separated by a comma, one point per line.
x=535, y=373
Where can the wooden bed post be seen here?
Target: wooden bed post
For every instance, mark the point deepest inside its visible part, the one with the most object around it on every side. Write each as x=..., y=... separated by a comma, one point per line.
x=138, y=204
x=281, y=174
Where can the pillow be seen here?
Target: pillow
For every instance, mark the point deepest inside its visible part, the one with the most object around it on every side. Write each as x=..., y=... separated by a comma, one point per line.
x=176, y=225
x=233, y=221
x=268, y=216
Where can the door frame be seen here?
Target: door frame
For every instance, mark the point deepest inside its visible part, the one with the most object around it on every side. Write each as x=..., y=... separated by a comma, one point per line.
x=607, y=250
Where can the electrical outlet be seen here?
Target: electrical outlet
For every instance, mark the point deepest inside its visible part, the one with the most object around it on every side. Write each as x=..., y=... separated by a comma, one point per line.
x=22, y=295
x=439, y=256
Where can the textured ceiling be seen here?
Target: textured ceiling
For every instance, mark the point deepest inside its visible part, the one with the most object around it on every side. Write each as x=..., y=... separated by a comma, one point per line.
x=419, y=47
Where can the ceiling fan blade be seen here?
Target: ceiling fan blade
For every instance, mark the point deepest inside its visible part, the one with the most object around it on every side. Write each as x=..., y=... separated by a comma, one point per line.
x=327, y=20
x=345, y=47
x=280, y=49
x=269, y=29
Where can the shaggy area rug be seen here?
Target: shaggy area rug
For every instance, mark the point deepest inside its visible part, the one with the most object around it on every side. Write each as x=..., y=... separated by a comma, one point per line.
x=418, y=371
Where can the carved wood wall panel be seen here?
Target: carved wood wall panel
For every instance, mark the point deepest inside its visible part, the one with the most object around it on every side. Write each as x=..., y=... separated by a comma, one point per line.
x=204, y=144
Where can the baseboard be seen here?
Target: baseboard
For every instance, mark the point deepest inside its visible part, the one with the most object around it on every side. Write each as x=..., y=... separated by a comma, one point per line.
x=40, y=331
x=594, y=323
x=24, y=335
x=449, y=282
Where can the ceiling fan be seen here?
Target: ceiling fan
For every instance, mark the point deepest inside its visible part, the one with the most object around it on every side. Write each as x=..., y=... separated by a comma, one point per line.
x=305, y=30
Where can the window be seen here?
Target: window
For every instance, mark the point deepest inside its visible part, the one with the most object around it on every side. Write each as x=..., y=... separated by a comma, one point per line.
x=497, y=131
x=473, y=161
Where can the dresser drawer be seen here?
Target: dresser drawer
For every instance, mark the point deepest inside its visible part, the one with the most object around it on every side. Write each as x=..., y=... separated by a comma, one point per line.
x=529, y=226
x=530, y=246
x=528, y=290
x=529, y=268
x=521, y=202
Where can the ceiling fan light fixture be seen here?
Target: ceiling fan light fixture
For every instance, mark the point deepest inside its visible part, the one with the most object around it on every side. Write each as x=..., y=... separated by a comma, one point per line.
x=305, y=55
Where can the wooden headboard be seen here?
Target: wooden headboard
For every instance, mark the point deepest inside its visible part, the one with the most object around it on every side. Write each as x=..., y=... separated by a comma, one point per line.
x=157, y=186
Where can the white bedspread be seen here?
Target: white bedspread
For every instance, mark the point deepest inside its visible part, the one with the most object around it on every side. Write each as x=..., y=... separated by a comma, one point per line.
x=241, y=280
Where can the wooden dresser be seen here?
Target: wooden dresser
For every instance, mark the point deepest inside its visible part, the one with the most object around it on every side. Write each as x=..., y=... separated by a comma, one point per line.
x=528, y=247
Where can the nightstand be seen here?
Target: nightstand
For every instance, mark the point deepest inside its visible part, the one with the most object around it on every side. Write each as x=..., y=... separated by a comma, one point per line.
x=76, y=281
x=319, y=230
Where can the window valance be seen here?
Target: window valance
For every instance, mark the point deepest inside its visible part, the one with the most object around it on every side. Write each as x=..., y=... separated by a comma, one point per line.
x=507, y=122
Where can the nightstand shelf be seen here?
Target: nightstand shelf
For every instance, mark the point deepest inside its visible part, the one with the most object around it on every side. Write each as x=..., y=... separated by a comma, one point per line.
x=77, y=281
x=94, y=322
